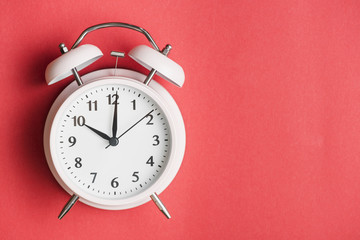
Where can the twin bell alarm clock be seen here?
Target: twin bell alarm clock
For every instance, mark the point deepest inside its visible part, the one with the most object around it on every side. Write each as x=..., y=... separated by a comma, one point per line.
x=114, y=138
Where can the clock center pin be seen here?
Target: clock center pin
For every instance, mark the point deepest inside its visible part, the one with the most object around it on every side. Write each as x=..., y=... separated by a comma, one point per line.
x=113, y=141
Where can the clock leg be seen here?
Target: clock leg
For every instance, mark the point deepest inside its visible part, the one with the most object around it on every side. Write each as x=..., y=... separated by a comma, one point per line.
x=68, y=206
x=160, y=205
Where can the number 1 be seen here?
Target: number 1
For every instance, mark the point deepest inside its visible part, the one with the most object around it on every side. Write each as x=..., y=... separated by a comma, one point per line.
x=134, y=106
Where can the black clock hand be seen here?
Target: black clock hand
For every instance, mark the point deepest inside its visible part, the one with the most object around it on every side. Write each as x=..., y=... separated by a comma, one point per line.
x=114, y=126
x=132, y=126
x=101, y=134
x=135, y=124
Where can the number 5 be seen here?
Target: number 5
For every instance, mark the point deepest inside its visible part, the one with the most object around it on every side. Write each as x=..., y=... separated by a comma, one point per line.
x=135, y=174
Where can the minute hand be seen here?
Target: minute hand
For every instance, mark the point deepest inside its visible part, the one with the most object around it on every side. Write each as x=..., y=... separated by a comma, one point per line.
x=114, y=126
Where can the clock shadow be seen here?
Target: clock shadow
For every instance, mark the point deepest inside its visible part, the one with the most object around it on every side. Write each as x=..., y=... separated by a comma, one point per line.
x=36, y=103
x=36, y=100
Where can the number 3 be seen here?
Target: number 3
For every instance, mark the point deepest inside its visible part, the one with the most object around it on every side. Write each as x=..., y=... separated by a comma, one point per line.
x=156, y=139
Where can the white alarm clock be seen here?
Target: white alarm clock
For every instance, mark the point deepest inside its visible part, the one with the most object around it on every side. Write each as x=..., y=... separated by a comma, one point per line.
x=114, y=138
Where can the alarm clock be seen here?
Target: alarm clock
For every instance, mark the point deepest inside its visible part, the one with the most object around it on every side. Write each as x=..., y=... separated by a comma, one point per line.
x=114, y=138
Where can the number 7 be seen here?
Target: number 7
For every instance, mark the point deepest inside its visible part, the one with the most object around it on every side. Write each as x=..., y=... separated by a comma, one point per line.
x=93, y=173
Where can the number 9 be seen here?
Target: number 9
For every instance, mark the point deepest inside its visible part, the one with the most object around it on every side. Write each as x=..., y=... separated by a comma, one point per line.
x=72, y=140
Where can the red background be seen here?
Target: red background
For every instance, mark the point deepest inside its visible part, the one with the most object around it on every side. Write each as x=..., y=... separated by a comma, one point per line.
x=271, y=105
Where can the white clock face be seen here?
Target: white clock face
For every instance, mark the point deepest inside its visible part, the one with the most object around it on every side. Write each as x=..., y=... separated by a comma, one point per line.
x=113, y=141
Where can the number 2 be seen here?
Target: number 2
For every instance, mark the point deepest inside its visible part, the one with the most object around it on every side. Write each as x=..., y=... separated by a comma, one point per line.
x=151, y=118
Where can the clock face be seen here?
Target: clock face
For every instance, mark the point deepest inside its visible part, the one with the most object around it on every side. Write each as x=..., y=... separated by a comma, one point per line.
x=112, y=141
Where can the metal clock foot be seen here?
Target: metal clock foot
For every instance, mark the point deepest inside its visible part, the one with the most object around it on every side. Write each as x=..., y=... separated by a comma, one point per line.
x=68, y=206
x=160, y=205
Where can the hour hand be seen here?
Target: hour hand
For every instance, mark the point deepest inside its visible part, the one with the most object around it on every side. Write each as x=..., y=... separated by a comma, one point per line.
x=101, y=134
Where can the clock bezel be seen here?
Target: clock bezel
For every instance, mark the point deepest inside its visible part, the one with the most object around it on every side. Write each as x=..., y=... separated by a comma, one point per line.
x=158, y=94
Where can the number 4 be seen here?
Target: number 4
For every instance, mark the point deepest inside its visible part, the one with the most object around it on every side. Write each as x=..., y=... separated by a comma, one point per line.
x=150, y=161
